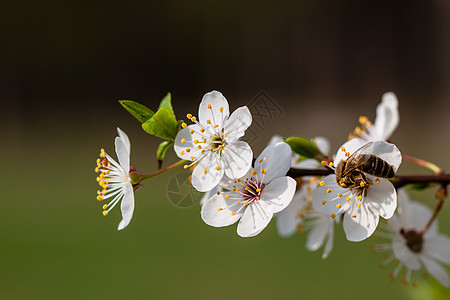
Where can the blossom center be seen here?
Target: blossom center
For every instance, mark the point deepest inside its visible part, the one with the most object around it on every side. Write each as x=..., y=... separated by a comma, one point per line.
x=414, y=240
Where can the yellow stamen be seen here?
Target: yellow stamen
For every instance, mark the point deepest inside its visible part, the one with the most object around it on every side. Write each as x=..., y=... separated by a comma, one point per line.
x=347, y=154
x=254, y=173
x=323, y=163
x=105, y=213
x=226, y=196
x=339, y=195
x=193, y=119
x=333, y=216
x=205, y=171
x=202, y=130
x=323, y=202
x=221, y=109
x=208, y=121
x=189, y=116
x=330, y=164
x=192, y=131
x=362, y=184
x=185, y=167
x=343, y=149
x=362, y=119
x=353, y=216
x=322, y=183
x=233, y=213
x=260, y=161
x=359, y=205
x=329, y=191
x=219, y=209
x=183, y=140
x=218, y=192
x=338, y=205
x=184, y=125
x=348, y=198
x=359, y=198
x=245, y=203
x=263, y=171
x=209, y=106
x=188, y=150
x=105, y=206
x=182, y=153
x=218, y=168
x=102, y=153
x=377, y=180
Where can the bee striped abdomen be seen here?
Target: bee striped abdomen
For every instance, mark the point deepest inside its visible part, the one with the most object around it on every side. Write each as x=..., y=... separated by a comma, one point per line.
x=377, y=167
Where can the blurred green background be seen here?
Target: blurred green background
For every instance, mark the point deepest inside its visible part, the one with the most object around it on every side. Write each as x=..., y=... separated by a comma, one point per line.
x=65, y=65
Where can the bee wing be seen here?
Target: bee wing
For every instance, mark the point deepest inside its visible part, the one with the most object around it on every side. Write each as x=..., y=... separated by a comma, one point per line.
x=355, y=160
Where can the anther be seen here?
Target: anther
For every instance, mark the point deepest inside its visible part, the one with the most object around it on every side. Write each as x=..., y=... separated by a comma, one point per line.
x=246, y=203
x=209, y=106
x=338, y=205
x=333, y=216
x=322, y=183
x=343, y=149
x=186, y=166
x=226, y=196
x=323, y=163
x=362, y=184
x=329, y=191
x=362, y=120
x=184, y=125
x=347, y=154
x=330, y=164
x=199, y=147
x=189, y=116
x=218, y=168
x=182, y=152
x=188, y=150
x=218, y=192
x=192, y=158
x=183, y=140
x=377, y=180
x=258, y=190
x=348, y=198
x=105, y=213
x=205, y=171
x=359, y=205
x=202, y=130
x=323, y=202
x=339, y=195
x=260, y=161
x=105, y=206
x=264, y=171
x=208, y=121
x=353, y=216
x=192, y=131
x=359, y=198
x=254, y=173
x=221, y=109
x=219, y=209
x=193, y=119
x=233, y=213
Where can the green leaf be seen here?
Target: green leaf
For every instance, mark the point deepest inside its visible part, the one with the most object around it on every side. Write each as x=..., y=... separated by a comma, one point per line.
x=137, y=110
x=166, y=102
x=303, y=146
x=161, y=152
x=163, y=124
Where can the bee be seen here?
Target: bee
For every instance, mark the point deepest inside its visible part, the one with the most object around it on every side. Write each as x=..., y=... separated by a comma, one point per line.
x=351, y=172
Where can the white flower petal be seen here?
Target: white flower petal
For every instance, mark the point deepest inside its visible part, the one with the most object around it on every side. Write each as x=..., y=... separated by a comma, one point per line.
x=350, y=147
x=287, y=219
x=276, y=160
x=438, y=247
x=386, y=151
x=127, y=206
x=381, y=198
x=317, y=236
x=124, y=138
x=122, y=154
x=420, y=215
x=202, y=181
x=185, y=139
x=278, y=194
x=217, y=101
x=206, y=196
x=237, y=159
x=387, y=116
x=215, y=212
x=359, y=226
x=253, y=221
x=306, y=164
x=329, y=244
x=326, y=199
x=404, y=254
x=275, y=139
x=238, y=122
x=323, y=144
x=436, y=270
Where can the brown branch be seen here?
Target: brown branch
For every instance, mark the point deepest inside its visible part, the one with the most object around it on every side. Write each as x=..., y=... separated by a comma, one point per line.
x=398, y=181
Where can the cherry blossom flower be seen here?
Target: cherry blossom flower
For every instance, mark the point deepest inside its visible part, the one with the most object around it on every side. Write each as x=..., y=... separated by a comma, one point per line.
x=412, y=248
x=212, y=142
x=115, y=179
x=368, y=198
x=254, y=198
x=299, y=215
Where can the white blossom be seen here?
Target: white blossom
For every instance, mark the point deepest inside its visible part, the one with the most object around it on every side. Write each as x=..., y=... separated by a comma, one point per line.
x=412, y=248
x=362, y=204
x=254, y=198
x=212, y=142
x=115, y=180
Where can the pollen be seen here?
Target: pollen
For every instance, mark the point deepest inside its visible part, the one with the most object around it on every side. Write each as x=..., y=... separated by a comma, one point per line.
x=219, y=209
x=183, y=140
x=254, y=173
x=330, y=164
x=209, y=106
x=333, y=216
x=323, y=202
x=343, y=149
x=329, y=191
x=339, y=195
x=338, y=205
x=188, y=150
x=323, y=163
x=246, y=203
x=208, y=121
x=182, y=152
x=184, y=125
x=221, y=109
x=260, y=161
x=362, y=184
x=347, y=154
x=186, y=166
x=377, y=180
x=353, y=216
x=218, y=168
x=105, y=213
x=322, y=183
x=189, y=116
x=205, y=171
x=360, y=198
x=348, y=198
x=227, y=196
x=192, y=131
x=233, y=213
x=359, y=205
x=193, y=119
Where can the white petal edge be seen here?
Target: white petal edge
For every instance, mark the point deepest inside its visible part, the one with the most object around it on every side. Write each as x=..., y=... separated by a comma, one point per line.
x=277, y=195
x=387, y=118
x=436, y=270
x=212, y=216
x=123, y=155
x=238, y=122
x=124, y=138
x=205, y=182
x=253, y=221
x=216, y=100
x=127, y=206
x=276, y=160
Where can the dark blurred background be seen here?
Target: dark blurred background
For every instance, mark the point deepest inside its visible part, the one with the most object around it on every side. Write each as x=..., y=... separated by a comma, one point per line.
x=66, y=63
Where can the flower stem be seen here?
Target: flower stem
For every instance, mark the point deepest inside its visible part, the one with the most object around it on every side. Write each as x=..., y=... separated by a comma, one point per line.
x=179, y=163
x=441, y=194
x=423, y=163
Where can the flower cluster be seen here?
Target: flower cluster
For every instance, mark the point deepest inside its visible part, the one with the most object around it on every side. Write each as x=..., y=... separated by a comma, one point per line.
x=354, y=187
